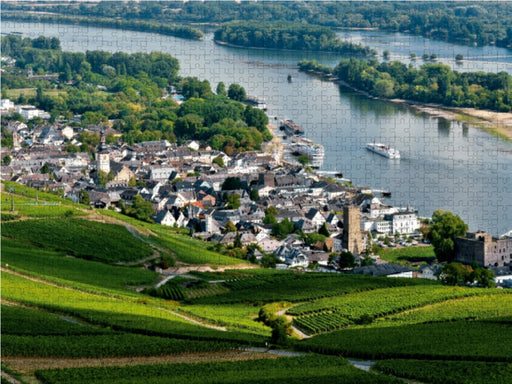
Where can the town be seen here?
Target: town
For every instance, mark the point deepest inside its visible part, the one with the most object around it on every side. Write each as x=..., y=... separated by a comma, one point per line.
x=255, y=192
x=252, y=198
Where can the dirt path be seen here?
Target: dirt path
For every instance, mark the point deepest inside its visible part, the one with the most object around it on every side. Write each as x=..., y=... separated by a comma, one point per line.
x=9, y=378
x=192, y=320
x=28, y=365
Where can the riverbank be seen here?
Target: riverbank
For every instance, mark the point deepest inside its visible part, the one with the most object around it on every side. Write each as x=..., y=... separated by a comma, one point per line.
x=496, y=123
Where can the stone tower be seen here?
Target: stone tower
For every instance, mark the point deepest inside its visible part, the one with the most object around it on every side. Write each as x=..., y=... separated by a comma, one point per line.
x=352, y=235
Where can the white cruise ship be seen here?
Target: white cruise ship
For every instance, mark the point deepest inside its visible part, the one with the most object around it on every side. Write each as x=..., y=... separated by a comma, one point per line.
x=383, y=150
x=306, y=147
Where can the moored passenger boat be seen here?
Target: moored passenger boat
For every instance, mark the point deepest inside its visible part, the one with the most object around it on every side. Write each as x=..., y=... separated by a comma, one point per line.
x=383, y=150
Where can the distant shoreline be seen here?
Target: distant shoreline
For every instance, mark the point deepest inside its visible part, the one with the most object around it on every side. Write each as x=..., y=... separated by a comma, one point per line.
x=496, y=123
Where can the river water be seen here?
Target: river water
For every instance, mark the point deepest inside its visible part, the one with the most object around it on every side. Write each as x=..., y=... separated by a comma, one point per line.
x=444, y=164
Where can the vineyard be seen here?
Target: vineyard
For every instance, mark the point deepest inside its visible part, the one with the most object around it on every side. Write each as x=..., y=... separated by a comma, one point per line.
x=63, y=299
x=278, y=286
x=30, y=207
x=124, y=314
x=55, y=265
x=115, y=344
x=189, y=251
x=337, y=312
x=457, y=340
x=448, y=372
x=233, y=316
x=86, y=239
x=470, y=308
x=291, y=370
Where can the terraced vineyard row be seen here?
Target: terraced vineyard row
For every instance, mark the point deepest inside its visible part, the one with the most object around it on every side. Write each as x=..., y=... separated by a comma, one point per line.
x=491, y=306
x=291, y=370
x=298, y=287
x=230, y=315
x=320, y=323
x=458, y=340
x=120, y=314
x=385, y=301
x=86, y=239
x=448, y=372
x=212, y=290
x=55, y=265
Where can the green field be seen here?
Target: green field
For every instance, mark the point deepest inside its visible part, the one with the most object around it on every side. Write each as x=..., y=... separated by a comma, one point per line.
x=470, y=308
x=35, y=333
x=457, y=340
x=408, y=254
x=57, y=266
x=448, y=372
x=308, y=369
x=86, y=239
x=119, y=313
x=339, y=311
x=288, y=286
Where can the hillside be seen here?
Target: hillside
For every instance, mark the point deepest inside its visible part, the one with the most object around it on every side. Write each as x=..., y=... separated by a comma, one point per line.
x=82, y=303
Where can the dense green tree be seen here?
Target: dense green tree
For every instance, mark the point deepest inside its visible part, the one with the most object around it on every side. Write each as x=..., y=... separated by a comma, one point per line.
x=102, y=177
x=444, y=229
x=483, y=277
x=83, y=197
x=219, y=161
x=346, y=260
x=255, y=117
x=367, y=261
x=455, y=274
x=269, y=260
x=254, y=195
x=237, y=243
x=6, y=160
x=221, y=89
x=281, y=329
x=232, y=183
x=283, y=229
x=324, y=231
x=229, y=227
x=236, y=92
x=233, y=201
x=142, y=209
x=313, y=238
x=269, y=219
x=45, y=168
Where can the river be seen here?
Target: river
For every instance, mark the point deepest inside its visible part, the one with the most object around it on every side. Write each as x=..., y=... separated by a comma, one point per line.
x=444, y=164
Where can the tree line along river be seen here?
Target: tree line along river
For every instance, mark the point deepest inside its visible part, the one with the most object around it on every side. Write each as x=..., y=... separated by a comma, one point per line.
x=444, y=164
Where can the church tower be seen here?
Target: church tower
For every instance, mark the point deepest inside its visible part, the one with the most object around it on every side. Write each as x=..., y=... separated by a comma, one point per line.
x=103, y=162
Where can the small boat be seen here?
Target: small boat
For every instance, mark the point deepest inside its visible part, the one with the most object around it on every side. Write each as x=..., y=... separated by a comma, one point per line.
x=290, y=78
x=383, y=150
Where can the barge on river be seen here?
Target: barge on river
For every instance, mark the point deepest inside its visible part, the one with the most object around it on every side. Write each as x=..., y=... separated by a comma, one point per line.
x=291, y=128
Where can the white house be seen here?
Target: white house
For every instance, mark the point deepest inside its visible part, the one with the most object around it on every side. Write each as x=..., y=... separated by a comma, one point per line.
x=405, y=222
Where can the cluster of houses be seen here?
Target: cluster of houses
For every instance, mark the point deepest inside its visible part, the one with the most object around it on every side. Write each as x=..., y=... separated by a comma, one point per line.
x=185, y=185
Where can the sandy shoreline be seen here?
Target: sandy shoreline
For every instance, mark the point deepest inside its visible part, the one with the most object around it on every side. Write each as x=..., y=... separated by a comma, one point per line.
x=499, y=123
